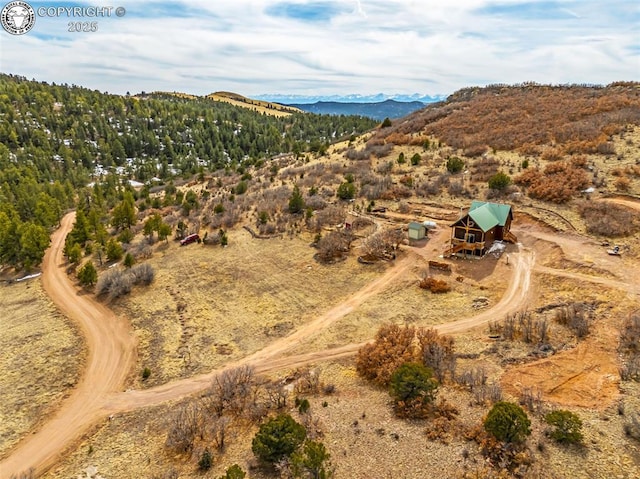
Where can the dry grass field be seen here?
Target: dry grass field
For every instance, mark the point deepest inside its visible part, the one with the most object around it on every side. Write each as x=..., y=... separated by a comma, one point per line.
x=42, y=358
x=211, y=305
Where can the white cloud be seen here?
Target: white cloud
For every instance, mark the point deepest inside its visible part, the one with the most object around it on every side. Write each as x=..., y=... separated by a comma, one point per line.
x=369, y=46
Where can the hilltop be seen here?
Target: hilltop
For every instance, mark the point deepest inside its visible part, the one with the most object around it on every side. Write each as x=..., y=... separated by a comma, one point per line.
x=259, y=106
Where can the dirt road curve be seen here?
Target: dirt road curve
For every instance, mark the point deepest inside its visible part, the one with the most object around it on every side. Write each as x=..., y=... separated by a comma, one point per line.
x=112, y=352
x=632, y=288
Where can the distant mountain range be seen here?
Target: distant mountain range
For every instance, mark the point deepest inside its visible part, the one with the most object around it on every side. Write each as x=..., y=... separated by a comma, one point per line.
x=377, y=98
x=378, y=107
x=378, y=111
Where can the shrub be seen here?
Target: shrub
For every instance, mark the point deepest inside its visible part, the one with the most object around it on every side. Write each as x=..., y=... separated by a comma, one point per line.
x=88, y=276
x=184, y=428
x=436, y=286
x=568, y=426
x=607, y=219
x=630, y=335
x=277, y=439
x=574, y=317
x=557, y=183
x=392, y=347
x=334, y=245
x=241, y=188
x=312, y=462
x=401, y=159
x=386, y=123
x=353, y=154
x=346, y=191
x=632, y=427
x=234, y=472
x=143, y=274
x=507, y=422
x=206, y=460
x=455, y=164
x=302, y=405
x=415, y=159
x=499, y=181
x=622, y=184
x=413, y=389
x=484, y=168
x=116, y=283
x=129, y=260
x=146, y=373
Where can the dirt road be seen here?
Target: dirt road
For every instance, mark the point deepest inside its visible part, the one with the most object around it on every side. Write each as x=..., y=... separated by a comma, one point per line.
x=112, y=352
x=271, y=358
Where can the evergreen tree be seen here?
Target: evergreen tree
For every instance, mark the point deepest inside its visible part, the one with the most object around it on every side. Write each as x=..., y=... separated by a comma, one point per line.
x=296, y=202
x=507, y=422
x=277, y=439
x=34, y=240
x=114, y=250
x=88, y=276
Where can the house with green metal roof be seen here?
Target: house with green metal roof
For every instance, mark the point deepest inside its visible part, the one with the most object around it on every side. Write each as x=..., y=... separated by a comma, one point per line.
x=474, y=233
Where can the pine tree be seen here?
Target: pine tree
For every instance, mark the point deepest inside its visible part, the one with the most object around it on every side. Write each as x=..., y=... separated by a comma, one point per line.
x=88, y=276
x=296, y=202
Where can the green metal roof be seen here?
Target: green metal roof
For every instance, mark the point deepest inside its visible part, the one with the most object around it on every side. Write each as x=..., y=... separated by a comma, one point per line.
x=487, y=215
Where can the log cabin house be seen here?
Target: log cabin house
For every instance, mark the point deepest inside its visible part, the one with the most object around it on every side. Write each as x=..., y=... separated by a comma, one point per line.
x=474, y=233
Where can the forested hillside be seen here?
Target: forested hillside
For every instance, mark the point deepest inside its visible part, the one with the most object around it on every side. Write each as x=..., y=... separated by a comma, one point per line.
x=55, y=139
x=529, y=118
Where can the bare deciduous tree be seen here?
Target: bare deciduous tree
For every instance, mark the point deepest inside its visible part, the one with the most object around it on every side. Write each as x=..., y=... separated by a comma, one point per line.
x=334, y=245
x=438, y=353
x=234, y=391
x=185, y=427
x=218, y=431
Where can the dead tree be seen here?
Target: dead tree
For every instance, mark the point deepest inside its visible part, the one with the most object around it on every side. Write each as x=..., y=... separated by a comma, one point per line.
x=185, y=427
x=437, y=352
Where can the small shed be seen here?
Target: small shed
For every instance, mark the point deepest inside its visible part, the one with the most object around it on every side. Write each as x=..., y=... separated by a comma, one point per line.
x=417, y=231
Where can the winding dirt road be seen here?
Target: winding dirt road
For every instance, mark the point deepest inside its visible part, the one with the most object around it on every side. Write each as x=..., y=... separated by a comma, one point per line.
x=112, y=352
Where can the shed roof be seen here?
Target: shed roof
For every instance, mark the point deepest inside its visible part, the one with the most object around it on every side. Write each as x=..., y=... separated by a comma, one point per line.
x=414, y=225
x=488, y=215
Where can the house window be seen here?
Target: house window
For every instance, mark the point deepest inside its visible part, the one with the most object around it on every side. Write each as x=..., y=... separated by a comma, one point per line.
x=470, y=238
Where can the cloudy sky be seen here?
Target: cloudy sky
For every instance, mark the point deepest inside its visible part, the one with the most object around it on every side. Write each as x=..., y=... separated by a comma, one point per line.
x=330, y=47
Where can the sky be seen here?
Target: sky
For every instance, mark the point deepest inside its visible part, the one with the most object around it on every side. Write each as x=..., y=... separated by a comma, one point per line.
x=333, y=47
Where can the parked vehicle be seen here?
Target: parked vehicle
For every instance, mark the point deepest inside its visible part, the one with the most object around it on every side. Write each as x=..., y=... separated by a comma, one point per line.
x=190, y=239
x=615, y=251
